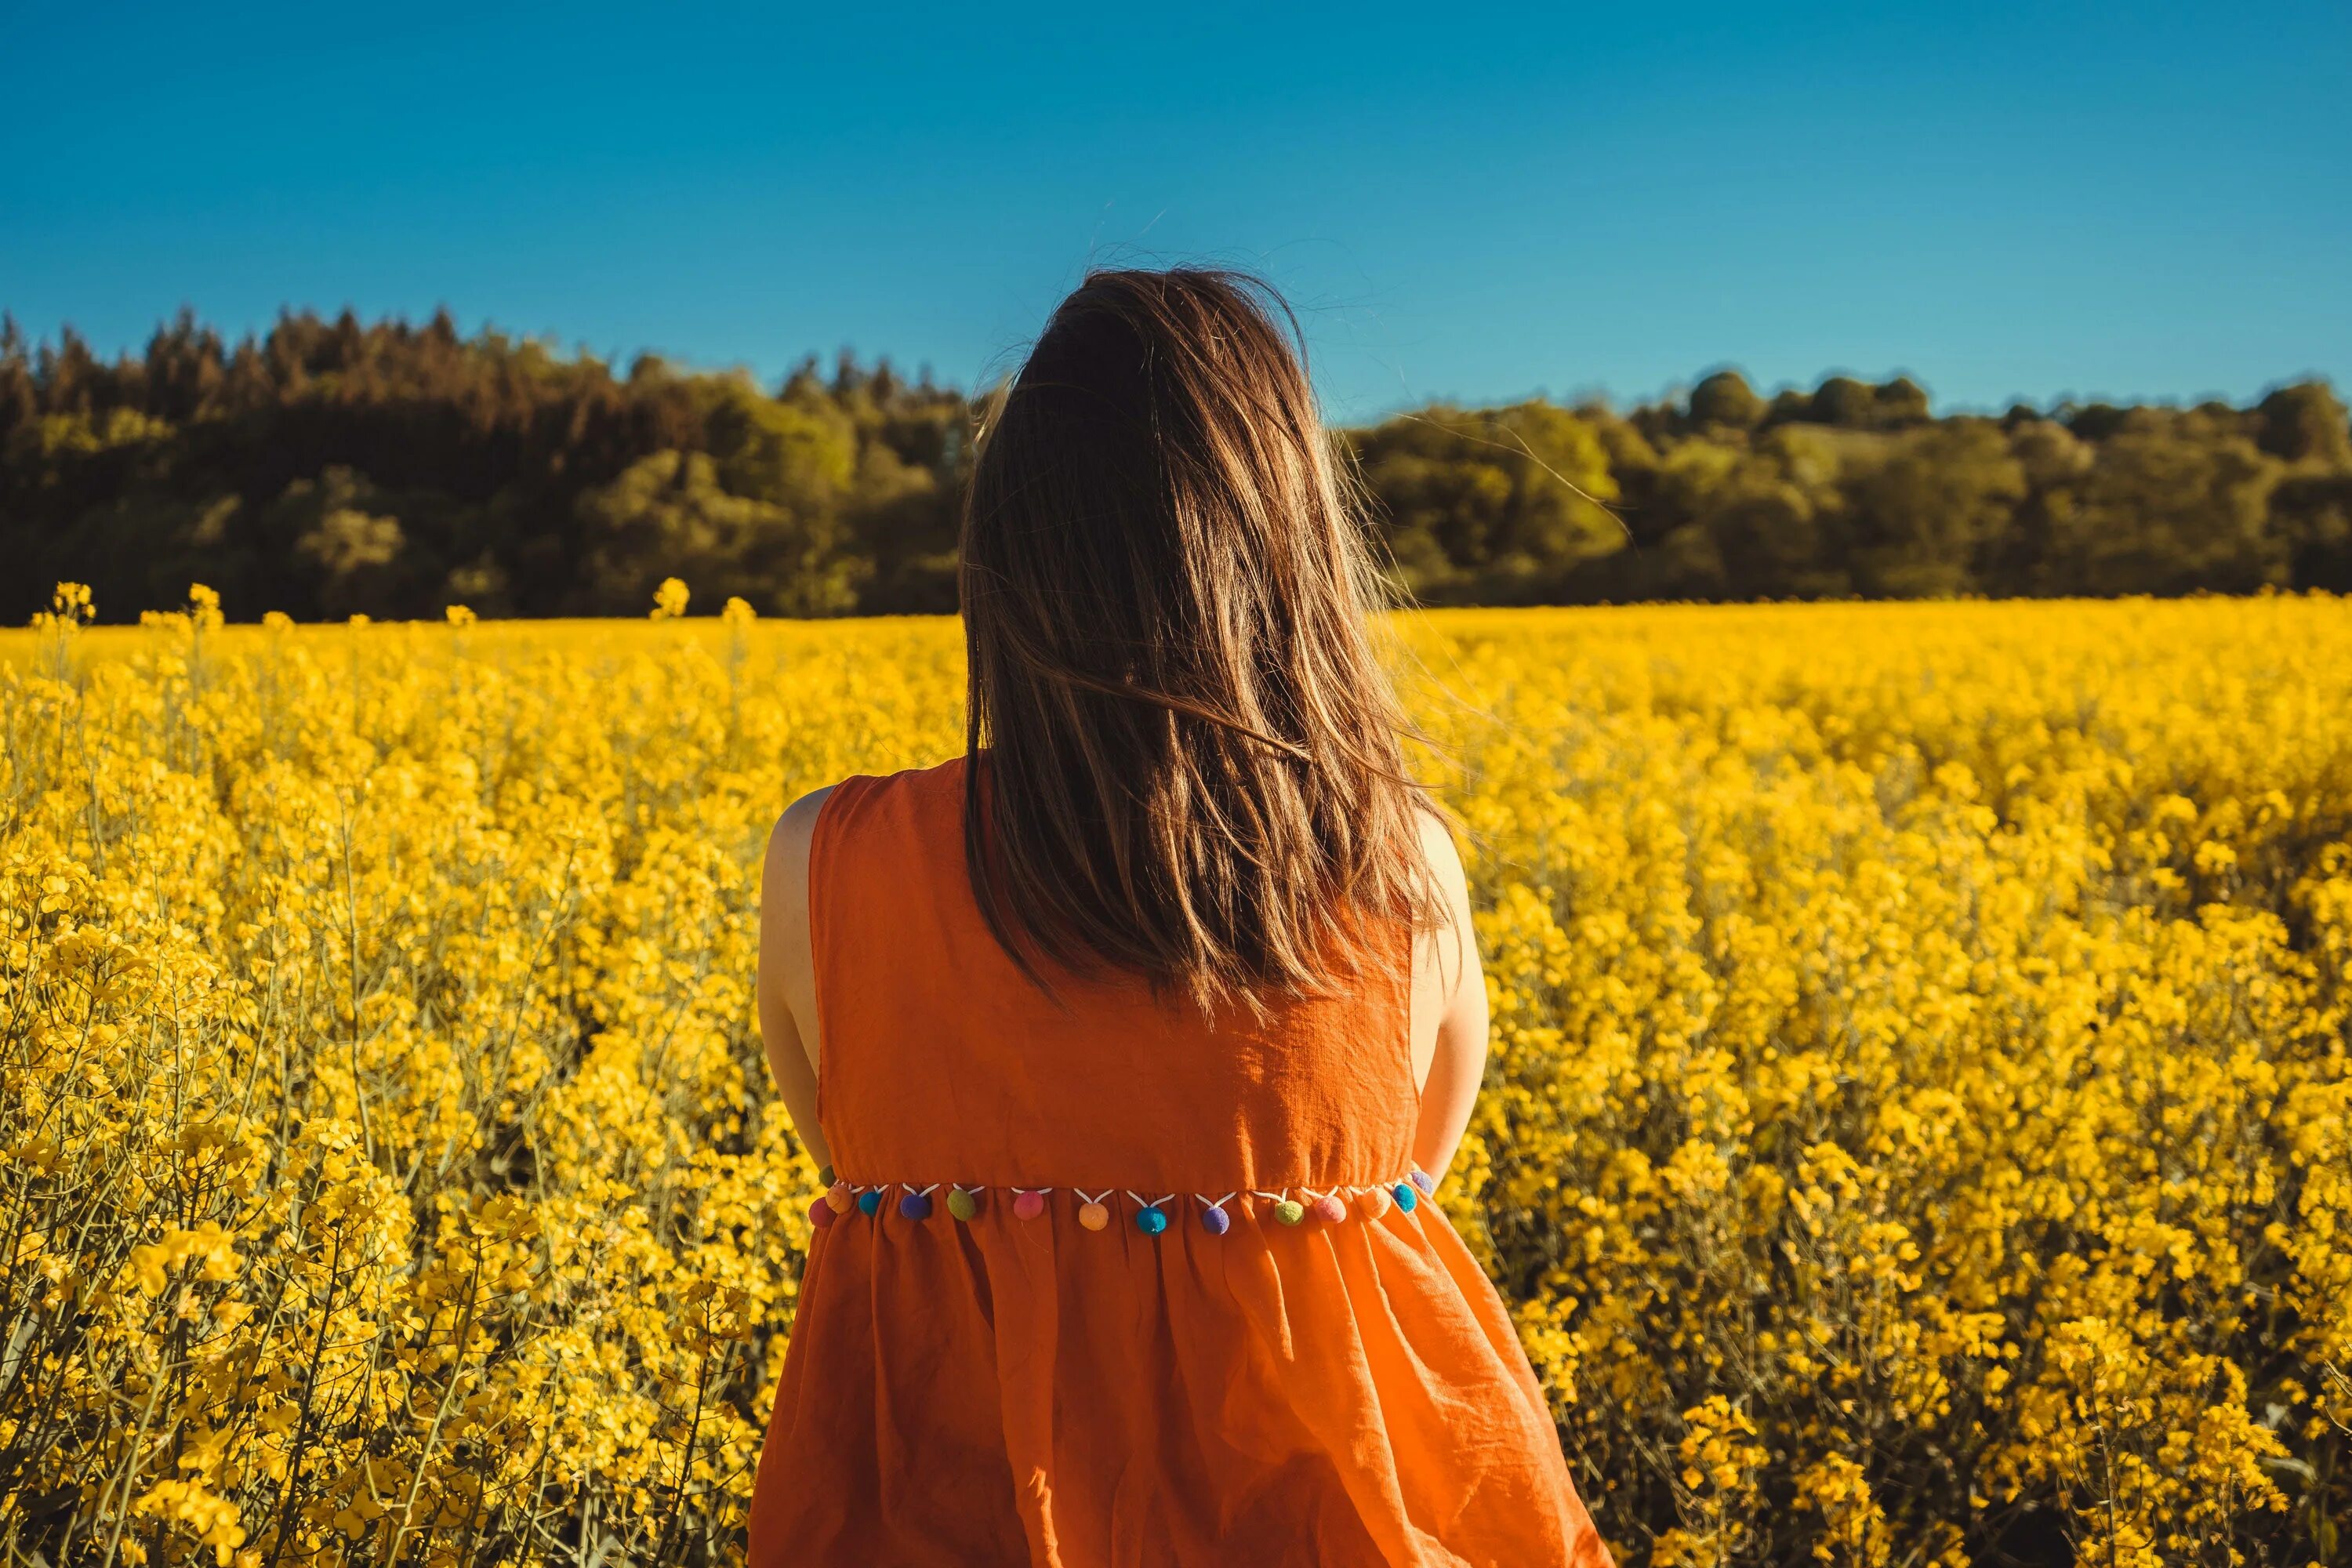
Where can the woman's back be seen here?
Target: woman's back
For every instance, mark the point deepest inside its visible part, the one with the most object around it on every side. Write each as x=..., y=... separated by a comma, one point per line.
x=1106, y=1281
x=953, y=1063
x=1111, y=1028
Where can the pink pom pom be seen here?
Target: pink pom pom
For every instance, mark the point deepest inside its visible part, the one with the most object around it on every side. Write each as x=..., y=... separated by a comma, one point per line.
x=1329, y=1206
x=1029, y=1205
x=821, y=1214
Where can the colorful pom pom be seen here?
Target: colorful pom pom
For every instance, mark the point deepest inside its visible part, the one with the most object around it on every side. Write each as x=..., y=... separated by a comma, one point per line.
x=824, y=1177
x=963, y=1205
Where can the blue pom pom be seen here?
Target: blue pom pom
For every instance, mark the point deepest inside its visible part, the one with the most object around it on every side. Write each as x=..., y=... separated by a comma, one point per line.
x=916, y=1206
x=1406, y=1196
x=869, y=1202
x=1150, y=1222
x=1216, y=1222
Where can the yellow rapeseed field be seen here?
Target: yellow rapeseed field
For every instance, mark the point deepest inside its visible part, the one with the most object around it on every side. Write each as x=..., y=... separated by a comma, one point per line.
x=1918, y=1129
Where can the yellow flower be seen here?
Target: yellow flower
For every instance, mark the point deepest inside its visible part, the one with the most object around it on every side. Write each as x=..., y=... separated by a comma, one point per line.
x=1917, y=1092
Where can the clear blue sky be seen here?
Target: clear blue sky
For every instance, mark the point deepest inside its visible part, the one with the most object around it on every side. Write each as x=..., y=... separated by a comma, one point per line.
x=1464, y=202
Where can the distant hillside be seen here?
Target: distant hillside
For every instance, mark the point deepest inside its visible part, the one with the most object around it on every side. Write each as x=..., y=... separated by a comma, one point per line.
x=331, y=467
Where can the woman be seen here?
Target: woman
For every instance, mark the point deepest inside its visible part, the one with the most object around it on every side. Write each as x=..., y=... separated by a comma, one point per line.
x=1139, y=1035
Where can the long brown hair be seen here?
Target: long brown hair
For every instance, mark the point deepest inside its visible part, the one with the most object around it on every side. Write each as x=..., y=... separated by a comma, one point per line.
x=1193, y=766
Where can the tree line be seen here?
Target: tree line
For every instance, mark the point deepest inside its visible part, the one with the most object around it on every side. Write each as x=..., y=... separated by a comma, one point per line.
x=331, y=467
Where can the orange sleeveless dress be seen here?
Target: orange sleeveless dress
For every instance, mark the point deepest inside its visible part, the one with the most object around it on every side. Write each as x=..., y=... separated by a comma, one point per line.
x=1056, y=1312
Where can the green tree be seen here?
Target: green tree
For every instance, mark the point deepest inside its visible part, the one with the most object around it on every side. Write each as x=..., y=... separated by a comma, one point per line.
x=668, y=516
x=1845, y=403
x=2310, y=513
x=1499, y=505
x=334, y=465
x=2304, y=423
x=2161, y=513
x=355, y=547
x=1724, y=400
x=1920, y=522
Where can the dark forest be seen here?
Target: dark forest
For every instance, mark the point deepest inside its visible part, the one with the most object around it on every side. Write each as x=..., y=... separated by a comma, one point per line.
x=331, y=467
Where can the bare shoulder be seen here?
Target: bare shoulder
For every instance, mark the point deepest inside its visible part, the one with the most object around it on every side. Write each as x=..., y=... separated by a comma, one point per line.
x=1447, y=954
x=797, y=826
x=1448, y=951
x=786, y=983
x=788, y=848
x=1444, y=857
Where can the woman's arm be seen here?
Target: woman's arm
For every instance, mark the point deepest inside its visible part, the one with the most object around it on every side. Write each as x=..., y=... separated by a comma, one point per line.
x=1449, y=1010
x=787, y=979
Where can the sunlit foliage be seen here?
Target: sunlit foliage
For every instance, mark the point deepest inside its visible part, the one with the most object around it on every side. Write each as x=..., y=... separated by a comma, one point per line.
x=327, y=468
